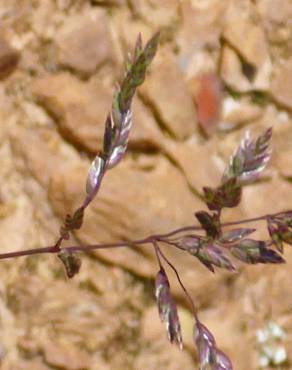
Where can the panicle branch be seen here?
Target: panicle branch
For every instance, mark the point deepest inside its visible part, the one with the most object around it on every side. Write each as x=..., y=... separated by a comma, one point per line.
x=208, y=241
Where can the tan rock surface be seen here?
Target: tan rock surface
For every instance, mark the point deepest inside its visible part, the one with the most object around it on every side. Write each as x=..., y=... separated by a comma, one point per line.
x=236, y=112
x=281, y=88
x=243, y=32
x=243, y=77
x=198, y=162
x=9, y=58
x=241, y=20
x=85, y=43
x=207, y=27
x=72, y=102
x=164, y=91
x=276, y=16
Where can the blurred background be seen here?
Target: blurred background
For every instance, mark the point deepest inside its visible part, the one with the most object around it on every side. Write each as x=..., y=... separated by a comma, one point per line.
x=223, y=66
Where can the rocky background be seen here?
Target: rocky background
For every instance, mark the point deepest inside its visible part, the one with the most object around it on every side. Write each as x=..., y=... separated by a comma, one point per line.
x=223, y=66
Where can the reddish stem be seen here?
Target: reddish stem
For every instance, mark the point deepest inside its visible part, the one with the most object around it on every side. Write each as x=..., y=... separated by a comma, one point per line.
x=150, y=239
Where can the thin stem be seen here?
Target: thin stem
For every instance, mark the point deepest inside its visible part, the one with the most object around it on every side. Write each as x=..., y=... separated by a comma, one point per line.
x=74, y=248
x=150, y=239
x=180, y=282
x=156, y=248
x=28, y=252
x=254, y=219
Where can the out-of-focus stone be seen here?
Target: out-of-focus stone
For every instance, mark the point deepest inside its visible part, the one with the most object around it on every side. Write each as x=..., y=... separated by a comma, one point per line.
x=6, y=112
x=277, y=11
x=151, y=326
x=66, y=356
x=154, y=331
x=32, y=365
x=145, y=133
x=42, y=21
x=274, y=197
x=276, y=16
x=243, y=77
x=283, y=162
x=128, y=31
x=241, y=21
x=231, y=71
x=207, y=27
x=109, y=2
x=9, y=58
x=238, y=112
x=81, y=108
x=198, y=162
x=281, y=87
x=282, y=153
x=85, y=42
x=162, y=14
x=158, y=355
x=29, y=146
x=63, y=4
x=165, y=91
x=252, y=48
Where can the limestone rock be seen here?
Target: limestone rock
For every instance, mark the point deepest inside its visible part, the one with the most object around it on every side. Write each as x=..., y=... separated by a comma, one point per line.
x=66, y=356
x=162, y=14
x=109, y=2
x=153, y=333
x=281, y=87
x=255, y=66
x=165, y=91
x=32, y=365
x=198, y=162
x=85, y=42
x=158, y=355
x=277, y=11
x=145, y=133
x=231, y=71
x=276, y=16
x=253, y=46
x=81, y=109
x=9, y=58
x=274, y=197
x=243, y=77
x=116, y=213
x=237, y=112
x=27, y=145
x=282, y=153
x=207, y=28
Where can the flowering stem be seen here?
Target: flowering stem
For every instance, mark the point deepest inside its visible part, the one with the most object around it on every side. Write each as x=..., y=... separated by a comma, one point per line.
x=189, y=298
x=156, y=248
x=148, y=240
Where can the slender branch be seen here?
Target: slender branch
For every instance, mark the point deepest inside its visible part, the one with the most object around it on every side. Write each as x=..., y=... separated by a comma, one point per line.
x=150, y=239
x=156, y=248
x=28, y=252
x=194, y=310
